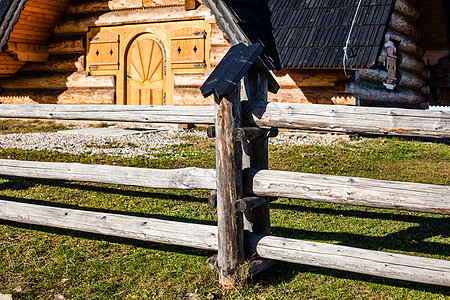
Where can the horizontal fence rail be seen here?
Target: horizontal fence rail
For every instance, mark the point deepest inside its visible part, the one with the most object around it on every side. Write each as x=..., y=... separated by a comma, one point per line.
x=396, y=266
x=325, y=188
x=113, y=113
x=338, y=118
x=349, y=190
x=350, y=119
x=186, y=178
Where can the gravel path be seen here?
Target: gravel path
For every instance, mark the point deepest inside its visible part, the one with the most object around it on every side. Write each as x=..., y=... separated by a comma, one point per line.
x=142, y=144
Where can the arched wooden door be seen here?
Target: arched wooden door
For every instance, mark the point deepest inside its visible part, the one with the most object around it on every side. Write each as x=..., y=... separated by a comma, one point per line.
x=145, y=78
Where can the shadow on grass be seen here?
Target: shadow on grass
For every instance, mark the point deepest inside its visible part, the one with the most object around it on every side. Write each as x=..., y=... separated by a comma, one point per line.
x=283, y=272
x=411, y=239
x=18, y=183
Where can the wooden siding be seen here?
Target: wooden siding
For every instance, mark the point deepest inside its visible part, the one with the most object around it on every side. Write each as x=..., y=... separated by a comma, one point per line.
x=34, y=26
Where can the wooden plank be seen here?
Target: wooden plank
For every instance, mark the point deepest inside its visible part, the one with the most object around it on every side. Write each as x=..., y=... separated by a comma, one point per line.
x=187, y=178
x=230, y=256
x=377, y=263
x=349, y=190
x=351, y=119
x=140, y=228
x=396, y=266
x=119, y=113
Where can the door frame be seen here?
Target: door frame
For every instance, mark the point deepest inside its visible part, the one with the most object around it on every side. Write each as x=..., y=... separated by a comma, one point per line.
x=125, y=65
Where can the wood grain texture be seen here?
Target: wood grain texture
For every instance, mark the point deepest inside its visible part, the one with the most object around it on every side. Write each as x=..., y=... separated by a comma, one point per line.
x=187, y=178
x=230, y=254
x=376, y=93
x=256, y=153
x=119, y=113
x=349, y=190
x=61, y=80
x=351, y=119
x=405, y=62
x=405, y=79
x=402, y=24
x=405, y=44
x=325, y=188
x=395, y=266
x=406, y=8
x=140, y=228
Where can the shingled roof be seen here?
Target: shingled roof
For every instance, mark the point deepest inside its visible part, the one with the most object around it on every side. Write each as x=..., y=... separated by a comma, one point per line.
x=9, y=14
x=312, y=33
x=248, y=22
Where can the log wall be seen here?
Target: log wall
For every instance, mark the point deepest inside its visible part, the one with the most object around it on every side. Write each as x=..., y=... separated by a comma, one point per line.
x=404, y=30
x=61, y=79
x=64, y=78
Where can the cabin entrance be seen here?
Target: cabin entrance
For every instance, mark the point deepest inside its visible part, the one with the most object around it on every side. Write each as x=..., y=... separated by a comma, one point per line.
x=145, y=72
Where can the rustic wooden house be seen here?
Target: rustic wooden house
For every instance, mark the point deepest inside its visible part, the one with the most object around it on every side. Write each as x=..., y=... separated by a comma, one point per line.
x=161, y=51
x=397, y=51
x=108, y=52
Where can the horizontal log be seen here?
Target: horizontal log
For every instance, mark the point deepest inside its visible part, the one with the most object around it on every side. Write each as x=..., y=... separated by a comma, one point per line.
x=350, y=119
x=57, y=63
x=110, y=5
x=406, y=8
x=349, y=190
x=405, y=79
x=405, y=44
x=139, y=228
x=249, y=203
x=114, y=113
x=136, y=16
x=376, y=93
x=61, y=81
x=401, y=24
x=405, y=62
x=187, y=178
x=67, y=44
x=377, y=263
x=324, y=188
x=70, y=96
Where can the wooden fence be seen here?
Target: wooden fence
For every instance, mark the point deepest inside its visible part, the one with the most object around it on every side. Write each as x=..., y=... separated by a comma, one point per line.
x=256, y=183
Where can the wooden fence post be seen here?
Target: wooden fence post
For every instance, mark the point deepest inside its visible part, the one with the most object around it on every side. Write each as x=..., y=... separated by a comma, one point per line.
x=230, y=254
x=256, y=153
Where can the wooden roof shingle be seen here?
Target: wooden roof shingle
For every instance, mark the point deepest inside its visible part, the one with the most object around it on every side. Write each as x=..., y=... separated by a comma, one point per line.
x=313, y=33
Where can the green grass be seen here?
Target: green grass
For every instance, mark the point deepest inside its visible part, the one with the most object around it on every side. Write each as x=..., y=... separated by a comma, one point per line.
x=8, y=126
x=46, y=262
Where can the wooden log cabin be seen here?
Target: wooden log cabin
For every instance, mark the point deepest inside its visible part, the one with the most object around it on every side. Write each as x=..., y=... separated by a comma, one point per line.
x=161, y=51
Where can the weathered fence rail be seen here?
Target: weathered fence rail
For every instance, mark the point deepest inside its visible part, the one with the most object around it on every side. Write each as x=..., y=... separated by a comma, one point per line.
x=325, y=188
x=396, y=266
x=241, y=179
x=350, y=119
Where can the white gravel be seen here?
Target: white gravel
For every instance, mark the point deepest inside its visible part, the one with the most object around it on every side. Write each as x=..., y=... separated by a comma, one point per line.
x=145, y=144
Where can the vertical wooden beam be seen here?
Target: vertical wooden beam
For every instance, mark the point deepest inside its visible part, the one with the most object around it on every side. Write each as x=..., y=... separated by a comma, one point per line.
x=230, y=254
x=256, y=154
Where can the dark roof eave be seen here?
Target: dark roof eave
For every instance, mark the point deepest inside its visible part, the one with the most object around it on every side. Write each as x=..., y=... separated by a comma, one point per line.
x=10, y=18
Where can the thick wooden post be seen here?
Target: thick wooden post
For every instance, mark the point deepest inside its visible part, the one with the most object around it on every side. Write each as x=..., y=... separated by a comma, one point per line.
x=256, y=153
x=229, y=188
